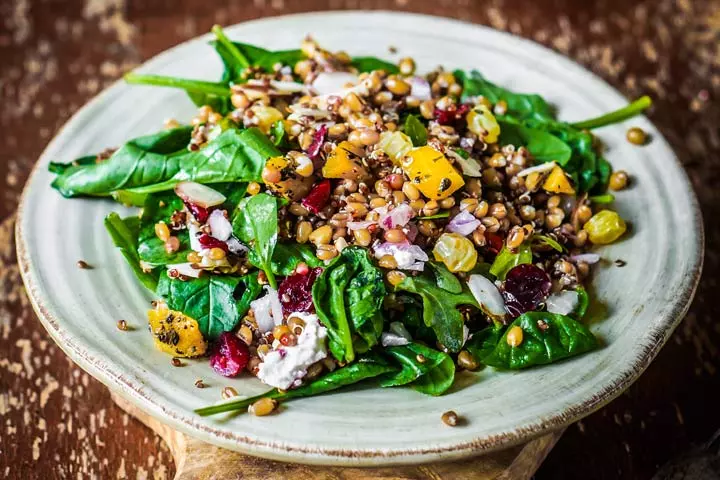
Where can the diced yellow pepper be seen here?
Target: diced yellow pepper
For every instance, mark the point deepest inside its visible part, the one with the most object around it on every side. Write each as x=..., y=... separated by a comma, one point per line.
x=482, y=123
x=266, y=117
x=345, y=162
x=557, y=182
x=175, y=333
x=432, y=173
x=605, y=227
x=291, y=185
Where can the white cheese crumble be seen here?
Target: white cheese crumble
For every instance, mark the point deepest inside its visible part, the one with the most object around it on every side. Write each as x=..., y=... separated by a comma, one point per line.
x=285, y=367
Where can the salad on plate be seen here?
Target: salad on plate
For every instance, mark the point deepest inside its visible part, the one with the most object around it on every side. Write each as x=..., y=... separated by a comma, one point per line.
x=325, y=220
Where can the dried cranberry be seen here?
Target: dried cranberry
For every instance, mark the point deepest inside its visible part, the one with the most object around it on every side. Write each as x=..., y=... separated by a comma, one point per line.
x=230, y=355
x=526, y=286
x=494, y=243
x=211, y=242
x=201, y=214
x=295, y=291
x=452, y=114
x=318, y=197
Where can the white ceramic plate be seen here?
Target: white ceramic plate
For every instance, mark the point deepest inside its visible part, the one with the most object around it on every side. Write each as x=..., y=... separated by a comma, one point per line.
x=368, y=426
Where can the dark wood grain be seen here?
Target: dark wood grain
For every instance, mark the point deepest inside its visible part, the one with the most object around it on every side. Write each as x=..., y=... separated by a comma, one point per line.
x=57, y=422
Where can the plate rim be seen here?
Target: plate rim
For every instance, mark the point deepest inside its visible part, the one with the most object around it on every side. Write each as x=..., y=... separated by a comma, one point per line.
x=657, y=336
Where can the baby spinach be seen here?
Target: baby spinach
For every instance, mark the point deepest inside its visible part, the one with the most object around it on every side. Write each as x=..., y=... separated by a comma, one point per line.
x=507, y=259
x=255, y=222
x=348, y=297
x=287, y=256
x=440, y=308
x=547, y=338
x=159, y=207
x=157, y=162
x=416, y=131
x=230, y=53
x=368, y=64
x=445, y=278
x=433, y=376
x=484, y=342
x=519, y=105
x=364, y=368
x=211, y=299
x=124, y=233
x=58, y=167
x=543, y=146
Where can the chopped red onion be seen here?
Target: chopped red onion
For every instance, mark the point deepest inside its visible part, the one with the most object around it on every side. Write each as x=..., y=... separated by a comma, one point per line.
x=411, y=231
x=463, y=223
x=407, y=255
x=487, y=295
x=397, y=217
x=589, y=258
x=317, y=143
x=220, y=226
x=420, y=88
x=360, y=225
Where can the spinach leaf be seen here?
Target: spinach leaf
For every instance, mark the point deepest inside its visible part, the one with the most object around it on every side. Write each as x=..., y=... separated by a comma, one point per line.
x=484, y=342
x=432, y=377
x=210, y=299
x=506, y=260
x=440, y=308
x=157, y=162
x=124, y=233
x=287, y=256
x=129, y=198
x=617, y=116
x=364, y=368
x=58, y=167
x=348, y=297
x=547, y=338
x=445, y=278
x=199, y=87
x=519, y=105
x=411, y=315
x=583, y=303
x=543, y=146
x=416, y=131
x=368, y=64
x=254, y=56
x=159, y=207
x=255, y=222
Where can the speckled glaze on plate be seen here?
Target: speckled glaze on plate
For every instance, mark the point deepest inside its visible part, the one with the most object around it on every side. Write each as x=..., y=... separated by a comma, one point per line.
x=645, y=300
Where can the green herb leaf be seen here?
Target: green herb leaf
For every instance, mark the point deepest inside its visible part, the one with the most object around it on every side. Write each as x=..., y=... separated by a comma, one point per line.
x=287, y=256
x=124, y=234
x=445, y=278
x=416, y=131
x=602, y=199
x=617, y=116
x=431, y=377
x=255, y=222
x=563, y=337
x=440, y=308
x=364, y=368
x=348, y=297
x=368, y=64
x=506, y=260
x=550, y=242
x=543, y=146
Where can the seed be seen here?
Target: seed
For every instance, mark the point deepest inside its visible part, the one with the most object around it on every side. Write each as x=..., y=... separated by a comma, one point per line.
x=467, y=361
x=554, y=202
x=406, y=66
x=398, y=197
x=314, y=370
x=162, y=231
x=354, y=102
x=172, y=245
x=498, y=210
x=427, y=228
x=420, y=358
x=271, y=175
x=395, y=235
x=515, y=238
x=469, y=204
x=636, y=136
x=498, y=160
x=491, y=224
x=303, y=231
x=580, y=239
x=199, y=383
x=263, y=407
x=304, y=166
x=388, y=261
x=514, y=336
x=253, y=188
x=229, y=392
x=357, y=209
x=382, y=188
x=338, y=130
x=326, y=252
x=122, y=325
x=431, y=208
x=447, y=203
x=362, y=237
x=395, y=277
x=450, y=418
x=382, y=98
x=377, y=202
x=82, y=264
x=194, y=257
x=217, y=253
x=417, y=205
x=583, y=269
x=288, y=340
x=395, y=180
x=527, y=213
x=478, y=237
x=321, y=235
x=240, y=100
x=369, y=136
x=397, y=85
x=482, y=209
x=618, y=180
x=584, y=213
x=427, y=109
x=296, y=324
x=176, y=362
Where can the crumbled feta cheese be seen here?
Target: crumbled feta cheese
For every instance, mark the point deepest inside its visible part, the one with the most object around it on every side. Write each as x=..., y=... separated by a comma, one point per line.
x=285, y=367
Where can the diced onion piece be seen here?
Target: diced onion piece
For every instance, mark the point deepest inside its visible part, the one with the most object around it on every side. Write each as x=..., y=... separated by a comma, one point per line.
x=487, y=295
x=543, y=167
x=220, y=226
x=407, y=255
x=185, y=269
x=463, y=223
x=397, y=217
x=589, y=258
x=420, y=88
x=469, y=166
x=388, y=339
x=333, y=83
x=563, y=303
x=360, y=225
x=199, y=194
x=267, y=310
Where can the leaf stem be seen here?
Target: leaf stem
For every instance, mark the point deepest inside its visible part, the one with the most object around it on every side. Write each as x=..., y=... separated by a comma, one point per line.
x=194, y=86
x=234, y=51
x=629, y=111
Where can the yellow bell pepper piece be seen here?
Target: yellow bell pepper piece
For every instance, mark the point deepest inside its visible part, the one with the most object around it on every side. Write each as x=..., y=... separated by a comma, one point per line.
x=557, y=182
x=432, y=173
x=291, y=185
x=605, y=227
x=175, y=333
x=266, y=117
x=345, y=162
x=483, y=123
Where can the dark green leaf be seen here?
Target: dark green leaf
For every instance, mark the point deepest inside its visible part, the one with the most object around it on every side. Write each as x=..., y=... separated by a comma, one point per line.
x=432, y=377
x=559, y=337
x=617, y=116
x=506, y=260
x=364, y=368
x=124, y=234
x=348, y=298
x=368, y=64
x=129, y=198
x=159, y=207
x=255, y=222
x=255, y=56
x=444, y=278
x=440, y=309
x=543, y=146
x=287, y=256
x=484, y=342
x=416, y=131
x=583, y=304
x=58, y=168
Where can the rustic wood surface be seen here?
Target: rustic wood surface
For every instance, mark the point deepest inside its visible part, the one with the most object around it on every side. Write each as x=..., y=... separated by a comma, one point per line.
x=57, y=422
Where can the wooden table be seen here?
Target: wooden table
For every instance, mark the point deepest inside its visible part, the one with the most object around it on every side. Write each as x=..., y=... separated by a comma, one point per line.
x=56, y=421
